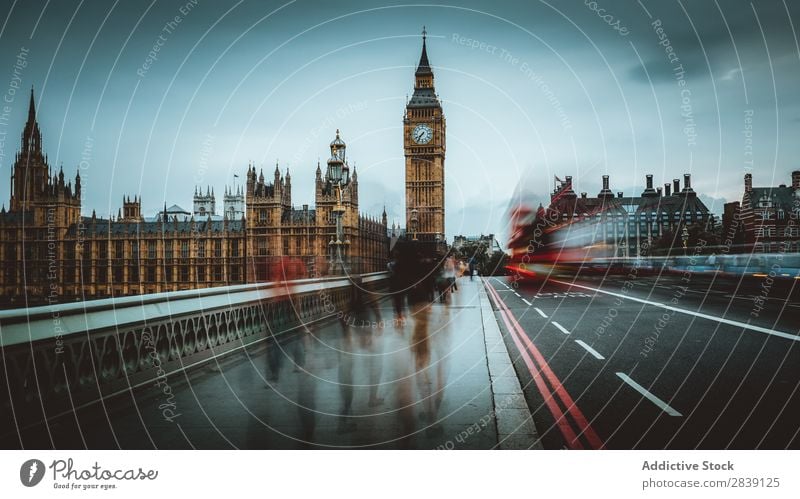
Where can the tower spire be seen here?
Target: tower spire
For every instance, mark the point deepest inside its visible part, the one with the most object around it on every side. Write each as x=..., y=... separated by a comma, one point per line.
x=31, y=109
x=31, y=136
x=424, y=67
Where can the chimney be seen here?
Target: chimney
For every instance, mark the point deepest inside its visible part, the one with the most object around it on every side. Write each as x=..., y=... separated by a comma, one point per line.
x=667, y=188
x=687, y=182
x=583, y=195
x=649, y=191
x=748, y=182
x=619, y=194
x=568, y=186
x=658, y=190
x=796, y=179
x=605, y=192
x=676, y=185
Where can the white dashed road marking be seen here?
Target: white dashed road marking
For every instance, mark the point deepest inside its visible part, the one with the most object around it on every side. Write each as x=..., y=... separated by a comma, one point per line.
x=730, y=322
x=560, y=327
x=591, y=350
x=649, y=396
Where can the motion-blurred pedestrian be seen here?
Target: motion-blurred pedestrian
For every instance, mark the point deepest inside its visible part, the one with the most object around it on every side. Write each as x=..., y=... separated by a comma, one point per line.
x=361, y=325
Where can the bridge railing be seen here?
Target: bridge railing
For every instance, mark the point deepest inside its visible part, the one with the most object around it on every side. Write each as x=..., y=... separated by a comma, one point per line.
x=59, y=357
x=776, y=265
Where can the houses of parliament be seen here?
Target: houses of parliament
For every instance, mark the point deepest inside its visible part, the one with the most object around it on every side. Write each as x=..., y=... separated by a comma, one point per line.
x=50, y=252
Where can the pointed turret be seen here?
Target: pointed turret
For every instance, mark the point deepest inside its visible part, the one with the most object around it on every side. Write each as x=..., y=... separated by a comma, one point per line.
x=31, y=109
x=424, y=67
x=424, y=74
x=31, y=135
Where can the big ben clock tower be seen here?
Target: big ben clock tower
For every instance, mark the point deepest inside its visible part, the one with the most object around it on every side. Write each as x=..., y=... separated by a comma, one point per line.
x=424, y=142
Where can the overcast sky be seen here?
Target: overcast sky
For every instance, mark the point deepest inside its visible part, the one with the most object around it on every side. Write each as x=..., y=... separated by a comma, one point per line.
x=548, y=88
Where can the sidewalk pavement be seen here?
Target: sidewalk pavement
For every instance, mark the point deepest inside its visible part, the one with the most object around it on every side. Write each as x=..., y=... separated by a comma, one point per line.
x=466, y=395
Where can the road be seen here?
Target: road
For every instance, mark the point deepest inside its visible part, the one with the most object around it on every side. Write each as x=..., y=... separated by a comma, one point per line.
x=653, y=362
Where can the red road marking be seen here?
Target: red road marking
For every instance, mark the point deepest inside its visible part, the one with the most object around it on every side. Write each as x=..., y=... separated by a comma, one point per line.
x=518, y=334
x=555, y=410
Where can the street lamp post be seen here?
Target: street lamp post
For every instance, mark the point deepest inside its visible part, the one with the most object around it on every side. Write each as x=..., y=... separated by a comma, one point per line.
x=339, y=176
x=685, y=239
x=337, y=262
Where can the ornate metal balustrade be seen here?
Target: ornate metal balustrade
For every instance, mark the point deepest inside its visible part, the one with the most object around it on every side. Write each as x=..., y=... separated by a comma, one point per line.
x=56, y=358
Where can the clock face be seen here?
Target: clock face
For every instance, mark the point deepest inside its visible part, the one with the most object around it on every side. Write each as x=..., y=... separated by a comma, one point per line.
x=422, y=134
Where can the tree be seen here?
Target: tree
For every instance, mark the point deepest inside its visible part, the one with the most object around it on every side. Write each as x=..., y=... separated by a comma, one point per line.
x=496, y=264
x=475, y=250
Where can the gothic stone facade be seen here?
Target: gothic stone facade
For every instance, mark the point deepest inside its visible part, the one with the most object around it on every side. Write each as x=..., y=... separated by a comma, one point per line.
x=50, y=253
x=307, y=235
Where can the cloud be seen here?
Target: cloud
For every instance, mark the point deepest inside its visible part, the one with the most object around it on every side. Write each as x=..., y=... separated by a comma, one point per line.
x=730, y=74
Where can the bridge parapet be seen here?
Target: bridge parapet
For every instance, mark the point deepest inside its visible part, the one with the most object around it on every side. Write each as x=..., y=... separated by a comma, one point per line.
x=59, y=357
